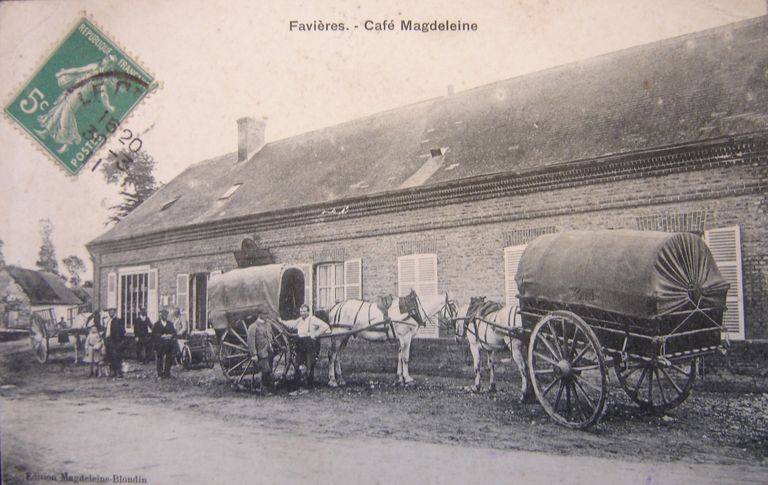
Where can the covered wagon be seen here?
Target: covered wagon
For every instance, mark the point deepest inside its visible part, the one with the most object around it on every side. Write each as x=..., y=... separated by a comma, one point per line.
x=648, y=304
x=275, y=292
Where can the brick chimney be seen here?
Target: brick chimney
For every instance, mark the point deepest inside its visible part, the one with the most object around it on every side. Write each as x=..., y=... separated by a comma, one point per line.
x=250, y=137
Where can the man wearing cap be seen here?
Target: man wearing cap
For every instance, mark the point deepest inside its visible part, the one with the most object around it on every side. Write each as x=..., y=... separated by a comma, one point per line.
x=259, y=338
x=114, y=334
x=164, y=341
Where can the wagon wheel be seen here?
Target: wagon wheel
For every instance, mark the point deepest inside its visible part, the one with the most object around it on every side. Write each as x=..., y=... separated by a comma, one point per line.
x=659, y=385
x=186, y=357
x=235, y=359
x=209, y=355
x=38, y=338
x=567, y=368
x=284, y=359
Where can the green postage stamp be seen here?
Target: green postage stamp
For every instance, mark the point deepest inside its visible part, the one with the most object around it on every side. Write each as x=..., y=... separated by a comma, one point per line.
x=80, y=96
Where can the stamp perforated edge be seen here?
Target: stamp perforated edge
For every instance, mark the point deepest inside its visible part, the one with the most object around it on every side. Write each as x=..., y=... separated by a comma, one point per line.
x=40, y=63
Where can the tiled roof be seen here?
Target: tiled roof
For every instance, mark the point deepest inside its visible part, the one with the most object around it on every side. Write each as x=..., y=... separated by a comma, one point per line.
x=694, y=87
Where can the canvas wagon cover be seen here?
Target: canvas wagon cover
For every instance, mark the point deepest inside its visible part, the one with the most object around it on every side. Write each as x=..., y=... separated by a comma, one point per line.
x=256, y=289
x=636, y=273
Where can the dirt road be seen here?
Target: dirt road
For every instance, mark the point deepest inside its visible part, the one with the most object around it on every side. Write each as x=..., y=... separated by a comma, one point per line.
x=195, y=428
x=165, y=446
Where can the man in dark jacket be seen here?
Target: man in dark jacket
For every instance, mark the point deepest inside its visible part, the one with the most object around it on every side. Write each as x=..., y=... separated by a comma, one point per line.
x=142, y=327
x=114, y=334
x=259, y=339
x=164, y=342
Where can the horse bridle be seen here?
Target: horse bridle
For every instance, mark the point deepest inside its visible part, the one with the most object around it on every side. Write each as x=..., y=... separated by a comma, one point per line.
x=449, y=307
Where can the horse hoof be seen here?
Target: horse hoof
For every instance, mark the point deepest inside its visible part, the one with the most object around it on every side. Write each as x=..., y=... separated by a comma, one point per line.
x=332, y=384
x=474, y=389
x=410, y=383
x=492, y=389
x=342, y=384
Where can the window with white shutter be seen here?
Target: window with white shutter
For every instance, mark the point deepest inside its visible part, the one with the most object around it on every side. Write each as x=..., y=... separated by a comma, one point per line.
x=112, y=290
x=152, y=296
x=353, y=279
x=418, y=272
x=512, y=255
x=725, y=244
x=182, y=292
x=338, y=281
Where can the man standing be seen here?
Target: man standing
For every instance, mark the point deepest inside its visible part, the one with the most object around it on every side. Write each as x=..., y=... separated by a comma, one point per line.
x=259, y=339
x=307, y=346
x=142, y=327
x=181, y=325
x=164, y=341
x=114, y=334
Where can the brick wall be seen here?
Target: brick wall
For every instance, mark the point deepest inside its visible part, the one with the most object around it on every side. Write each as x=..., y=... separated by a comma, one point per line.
x=469, y=237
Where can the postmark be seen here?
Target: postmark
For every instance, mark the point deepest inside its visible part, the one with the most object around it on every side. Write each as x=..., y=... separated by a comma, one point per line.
x=80, y=96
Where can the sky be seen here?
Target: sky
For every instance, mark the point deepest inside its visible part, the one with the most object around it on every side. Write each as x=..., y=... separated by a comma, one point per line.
x=219, y=61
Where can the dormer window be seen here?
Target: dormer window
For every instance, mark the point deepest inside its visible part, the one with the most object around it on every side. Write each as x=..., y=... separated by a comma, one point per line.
x=230, y=191
x=436, y=152
x=169, y=203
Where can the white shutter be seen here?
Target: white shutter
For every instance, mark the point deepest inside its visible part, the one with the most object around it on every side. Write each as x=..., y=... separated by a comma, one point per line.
x=308, y=287
x=353, y=279
x=512, y=255
x=182, y=292
x=419, y=272
x=725, y=244
x=406, y=275
x=152, y=302
x=426, y=269
x=112, y=290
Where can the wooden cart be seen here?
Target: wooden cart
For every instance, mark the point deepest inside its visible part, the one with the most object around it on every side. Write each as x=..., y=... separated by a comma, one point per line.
x=45, y=330
x=648, y=304
x=276, y=293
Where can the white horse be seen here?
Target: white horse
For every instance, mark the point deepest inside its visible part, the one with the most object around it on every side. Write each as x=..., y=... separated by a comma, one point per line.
x=492, y=337
x=384, y=321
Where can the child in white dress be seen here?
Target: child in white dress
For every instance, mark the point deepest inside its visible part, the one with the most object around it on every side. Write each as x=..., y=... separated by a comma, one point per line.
x=94, y=352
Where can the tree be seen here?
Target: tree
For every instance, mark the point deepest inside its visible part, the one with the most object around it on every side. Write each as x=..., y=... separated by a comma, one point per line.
x=133, y=173
x=47, y=255
x=2, y=258
x=74, y=266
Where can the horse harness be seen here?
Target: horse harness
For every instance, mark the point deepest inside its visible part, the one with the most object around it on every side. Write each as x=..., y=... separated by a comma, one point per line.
x=387, y=323
x=484, y=309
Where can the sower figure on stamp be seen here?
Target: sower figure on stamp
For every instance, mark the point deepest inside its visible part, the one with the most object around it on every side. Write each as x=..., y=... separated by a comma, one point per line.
x=79, y=84
x=114, y=334
x=308, y=328
x=142, y=328
x=259, y=338
x=164, y=342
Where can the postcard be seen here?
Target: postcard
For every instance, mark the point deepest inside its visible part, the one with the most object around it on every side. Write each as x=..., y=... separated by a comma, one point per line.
x=383, y=242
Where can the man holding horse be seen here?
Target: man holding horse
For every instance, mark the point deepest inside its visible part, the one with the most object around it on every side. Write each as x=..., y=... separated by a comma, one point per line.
x=308, y=328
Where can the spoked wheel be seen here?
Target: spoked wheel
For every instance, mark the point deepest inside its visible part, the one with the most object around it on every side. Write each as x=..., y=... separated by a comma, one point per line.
x=38, y=338
x=209, y=355
x=284, y=358
x=567, y=368
x=658, y=385
x=235, y=359
x=186, y=357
